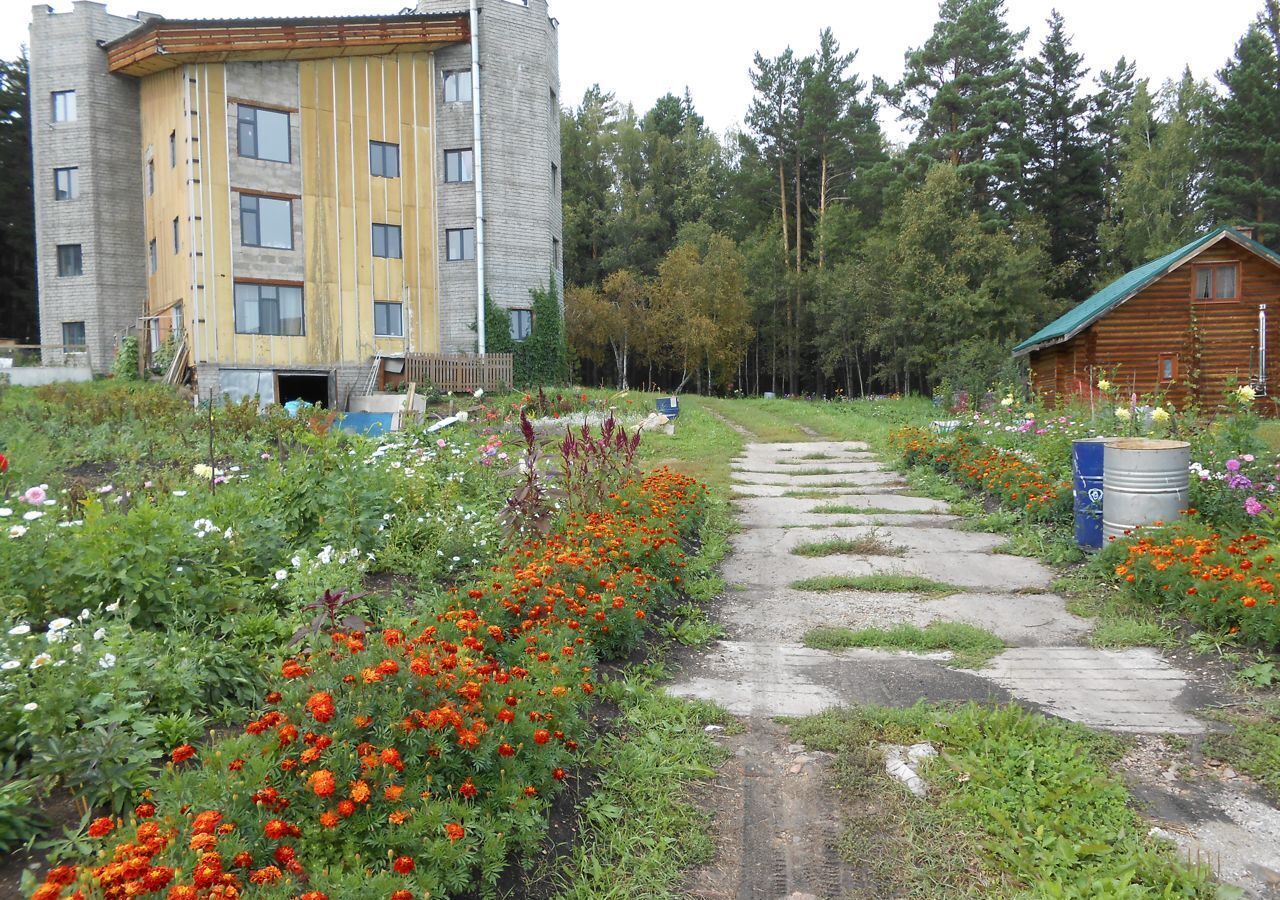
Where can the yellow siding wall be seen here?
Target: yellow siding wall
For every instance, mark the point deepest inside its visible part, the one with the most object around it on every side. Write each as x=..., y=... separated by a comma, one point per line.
x=344, y=104
x=163, y=114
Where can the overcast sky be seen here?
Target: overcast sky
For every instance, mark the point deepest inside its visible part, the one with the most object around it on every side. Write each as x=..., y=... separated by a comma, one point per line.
x=641, y=50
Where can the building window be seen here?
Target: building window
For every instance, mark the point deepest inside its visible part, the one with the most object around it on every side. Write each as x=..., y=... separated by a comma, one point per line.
x=388, y=320
x=263, y=133
x=521, y=323
x=151, y=177
x=460, y=244
x=173, y=149
x=269, y=309
x=70, y=260
x=555, y=253
x=175, y=318
x=66, y=183
x=459, y=166
x=1168, y=367
x=266, y=222
x=73, y=334
x=555, y=178
x=384, y=159
x=386, y=241
x=177, y=239
x=1217, y=282
x=64, y=106
x=152, y=263
x=457, y=86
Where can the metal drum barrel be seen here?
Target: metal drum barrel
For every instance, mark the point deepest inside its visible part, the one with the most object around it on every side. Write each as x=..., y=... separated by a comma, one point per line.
x=1086, y=489
x=1144, y=481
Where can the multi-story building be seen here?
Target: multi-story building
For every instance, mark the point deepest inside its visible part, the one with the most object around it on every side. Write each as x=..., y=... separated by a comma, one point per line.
x=297, y=196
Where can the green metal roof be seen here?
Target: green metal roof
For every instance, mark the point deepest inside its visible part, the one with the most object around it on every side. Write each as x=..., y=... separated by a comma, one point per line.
x=1072, y=322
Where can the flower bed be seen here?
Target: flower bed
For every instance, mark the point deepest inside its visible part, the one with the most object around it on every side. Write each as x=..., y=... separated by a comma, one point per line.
x=412, y=759
x=1002, y=474
x=1190, y=569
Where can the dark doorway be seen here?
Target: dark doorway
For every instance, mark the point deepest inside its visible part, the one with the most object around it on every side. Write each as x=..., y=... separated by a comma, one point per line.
x=307, y=388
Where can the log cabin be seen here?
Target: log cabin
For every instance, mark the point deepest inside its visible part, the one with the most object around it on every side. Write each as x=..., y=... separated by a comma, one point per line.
x=1182, y=327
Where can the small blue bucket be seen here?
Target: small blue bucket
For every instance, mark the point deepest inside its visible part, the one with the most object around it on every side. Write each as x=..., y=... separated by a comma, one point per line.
x=669, y=406
x=1086, y=489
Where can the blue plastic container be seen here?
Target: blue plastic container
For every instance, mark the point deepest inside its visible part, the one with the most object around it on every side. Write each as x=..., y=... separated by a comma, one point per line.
x=1086, y=488
x=669, y=406
x=366, y=423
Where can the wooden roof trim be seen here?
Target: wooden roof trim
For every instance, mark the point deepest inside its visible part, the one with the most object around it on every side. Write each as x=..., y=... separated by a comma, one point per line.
x=162, y=44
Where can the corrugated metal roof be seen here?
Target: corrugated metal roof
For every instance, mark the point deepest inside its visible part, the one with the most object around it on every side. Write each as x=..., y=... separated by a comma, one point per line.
x=1072, y=322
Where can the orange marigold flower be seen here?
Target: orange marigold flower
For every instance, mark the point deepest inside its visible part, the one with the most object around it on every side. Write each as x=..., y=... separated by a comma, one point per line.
x=346, y=808
x=242, y=860
x=144, y=810
x=454, y=831
x=328, y=819
x=266, y=875
x=467, y=789
x=403, y=865
x=320, y=705
x=101, y=827
x=401, y=895
x=392, y=792
x=360, y=791
x=541, y=736
x=557, y=773
x=505, y=749
x=182, y=753
x=322, y=782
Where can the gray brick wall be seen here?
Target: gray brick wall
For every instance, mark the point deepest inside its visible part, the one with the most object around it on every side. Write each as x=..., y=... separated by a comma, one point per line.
x=273, y=83
x=103, y=143
x=519, y=60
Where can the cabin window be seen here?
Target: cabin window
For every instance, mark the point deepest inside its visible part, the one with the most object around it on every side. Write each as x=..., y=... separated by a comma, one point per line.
x=266, y=222
x=1216, y=282
x=269, y=309
x=262, y=133
x=386, y=241
x=388, y=319
x=521, y=324
x=457, y=86
x=1168, y=367
x=384, y=159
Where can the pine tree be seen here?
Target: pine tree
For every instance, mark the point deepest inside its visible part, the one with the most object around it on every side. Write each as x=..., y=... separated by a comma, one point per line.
x=17, y=212
x=1064, y=184
x=1158, y=204
x=1112, y=105
x=588, y=151
x=1243, y=141
x=963, y=92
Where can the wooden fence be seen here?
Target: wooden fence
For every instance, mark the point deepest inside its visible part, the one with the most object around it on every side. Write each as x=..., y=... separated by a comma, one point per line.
x=493, y=371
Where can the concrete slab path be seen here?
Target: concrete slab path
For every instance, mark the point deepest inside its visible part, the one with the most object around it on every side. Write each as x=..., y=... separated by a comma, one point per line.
x=761, y=670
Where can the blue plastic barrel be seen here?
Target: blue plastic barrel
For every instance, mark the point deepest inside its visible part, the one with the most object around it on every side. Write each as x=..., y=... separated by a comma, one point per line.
x=1086, y=488
x=669, y=406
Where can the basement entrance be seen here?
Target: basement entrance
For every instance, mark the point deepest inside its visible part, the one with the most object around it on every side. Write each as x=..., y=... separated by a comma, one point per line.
x=307, y=388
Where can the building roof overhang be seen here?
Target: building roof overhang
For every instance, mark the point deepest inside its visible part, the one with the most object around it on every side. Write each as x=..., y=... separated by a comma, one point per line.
x=159, y=44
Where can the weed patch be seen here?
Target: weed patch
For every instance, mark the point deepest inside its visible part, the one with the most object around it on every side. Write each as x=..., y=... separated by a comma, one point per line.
x=883, y=584
x=641, y=826
x=848, y=509
x=1018, y=803
x=1253, y=744
x=867, y=545
x=972, y=646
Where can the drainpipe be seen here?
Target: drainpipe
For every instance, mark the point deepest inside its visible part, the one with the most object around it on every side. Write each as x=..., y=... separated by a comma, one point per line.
x=477, y=157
